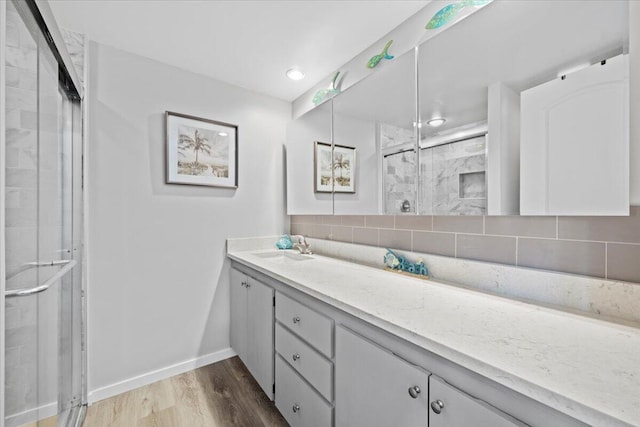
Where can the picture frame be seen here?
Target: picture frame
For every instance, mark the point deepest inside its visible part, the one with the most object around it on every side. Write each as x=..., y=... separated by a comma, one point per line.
x=334, y=168
x=344, y=169
x=322, y=171
x=201, y=151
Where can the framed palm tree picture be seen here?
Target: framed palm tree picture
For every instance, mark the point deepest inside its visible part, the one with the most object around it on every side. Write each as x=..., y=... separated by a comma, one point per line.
x=344, y=169
x=201, y=151
x=334, y=173
x=322, y=171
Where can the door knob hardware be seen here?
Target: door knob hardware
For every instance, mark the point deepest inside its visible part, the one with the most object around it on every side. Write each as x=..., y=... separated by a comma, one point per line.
x=414, y=391
x=437, y=406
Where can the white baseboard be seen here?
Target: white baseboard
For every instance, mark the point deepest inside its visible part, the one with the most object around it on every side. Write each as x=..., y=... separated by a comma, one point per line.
x=158, y=375
x=32, y=415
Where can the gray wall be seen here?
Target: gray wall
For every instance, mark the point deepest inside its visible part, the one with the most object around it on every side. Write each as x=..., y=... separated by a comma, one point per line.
x=157, y=277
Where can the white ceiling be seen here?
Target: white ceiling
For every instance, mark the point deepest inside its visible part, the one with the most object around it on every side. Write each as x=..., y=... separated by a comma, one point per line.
x=246, y=43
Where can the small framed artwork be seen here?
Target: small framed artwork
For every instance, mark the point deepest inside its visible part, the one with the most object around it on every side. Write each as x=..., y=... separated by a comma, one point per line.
x=201, y=151
x=337, y=175
x=323, y=177
x=344, y=169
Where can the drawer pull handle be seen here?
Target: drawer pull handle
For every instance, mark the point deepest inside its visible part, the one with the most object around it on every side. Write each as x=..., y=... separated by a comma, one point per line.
x=414, y=391
x=296, y=407
x=296, y=319
x=296, y=357
x=243, y=284
x=437, y=406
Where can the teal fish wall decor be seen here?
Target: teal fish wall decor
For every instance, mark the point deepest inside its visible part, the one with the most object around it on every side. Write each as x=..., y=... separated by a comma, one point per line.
x=375, y=60
x=329, y=92
x=445, y=15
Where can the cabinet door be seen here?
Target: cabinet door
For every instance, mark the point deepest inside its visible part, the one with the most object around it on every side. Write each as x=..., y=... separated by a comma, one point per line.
x=373, y=386
x=457, y=409
x=260, y=346
x=239, y=314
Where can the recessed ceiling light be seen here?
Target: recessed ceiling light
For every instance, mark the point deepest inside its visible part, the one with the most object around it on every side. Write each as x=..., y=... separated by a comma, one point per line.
x=223, y=133
x=295, y=74
x=435, y=122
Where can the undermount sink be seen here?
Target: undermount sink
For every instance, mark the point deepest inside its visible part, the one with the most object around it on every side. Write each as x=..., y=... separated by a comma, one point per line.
x=283, y=256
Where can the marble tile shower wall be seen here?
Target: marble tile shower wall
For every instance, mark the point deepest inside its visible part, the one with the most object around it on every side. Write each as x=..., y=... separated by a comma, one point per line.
x=21, y=207
x=457, y=184
x=399, y=181
x=399, y=169
x=606, y=247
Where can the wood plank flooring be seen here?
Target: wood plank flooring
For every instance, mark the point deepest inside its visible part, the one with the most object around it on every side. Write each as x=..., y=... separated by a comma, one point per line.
x=221, y=394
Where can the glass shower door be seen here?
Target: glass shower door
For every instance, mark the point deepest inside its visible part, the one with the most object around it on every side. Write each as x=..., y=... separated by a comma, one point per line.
x=43, y=301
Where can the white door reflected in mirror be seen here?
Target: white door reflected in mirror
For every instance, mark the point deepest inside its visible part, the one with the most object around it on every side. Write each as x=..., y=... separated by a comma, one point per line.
x=575, y=143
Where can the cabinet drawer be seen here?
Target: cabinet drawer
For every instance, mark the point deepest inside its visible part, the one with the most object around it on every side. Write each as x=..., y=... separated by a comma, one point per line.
x=313, y=327
x=297, y=401
x=317, y=370
x=451, y=407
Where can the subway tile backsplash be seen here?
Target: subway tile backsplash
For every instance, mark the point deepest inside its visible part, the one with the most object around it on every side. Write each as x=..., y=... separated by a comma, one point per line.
x=607, y=247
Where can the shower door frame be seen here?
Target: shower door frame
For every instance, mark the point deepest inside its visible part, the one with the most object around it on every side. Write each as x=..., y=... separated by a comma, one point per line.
x=3, y=149
x=68, y=83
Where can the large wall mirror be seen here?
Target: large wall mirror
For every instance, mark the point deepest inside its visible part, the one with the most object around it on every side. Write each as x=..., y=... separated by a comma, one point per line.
x=521, y=108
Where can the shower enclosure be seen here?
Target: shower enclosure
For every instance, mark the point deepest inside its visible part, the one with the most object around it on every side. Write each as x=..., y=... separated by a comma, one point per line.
x=42, y=256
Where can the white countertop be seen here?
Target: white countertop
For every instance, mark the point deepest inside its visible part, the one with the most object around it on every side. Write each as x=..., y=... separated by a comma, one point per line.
x=588, y=369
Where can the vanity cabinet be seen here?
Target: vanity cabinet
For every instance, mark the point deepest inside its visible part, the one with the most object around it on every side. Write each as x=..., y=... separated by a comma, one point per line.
x=304, y=368
x=323, y=367
x=450, y=407
x=252, y=327
x=376, y=387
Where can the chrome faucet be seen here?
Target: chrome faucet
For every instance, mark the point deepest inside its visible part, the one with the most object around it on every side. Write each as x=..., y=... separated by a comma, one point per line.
x=302, y=245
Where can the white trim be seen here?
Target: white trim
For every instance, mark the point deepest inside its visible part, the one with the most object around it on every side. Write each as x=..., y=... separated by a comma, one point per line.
x=32, y=415
x=158, y=375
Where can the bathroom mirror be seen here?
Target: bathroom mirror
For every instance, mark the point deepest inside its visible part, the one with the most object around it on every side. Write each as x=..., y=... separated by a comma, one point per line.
x=532, y=98
x=377, y=117
x=304, y=135
x=482, y=76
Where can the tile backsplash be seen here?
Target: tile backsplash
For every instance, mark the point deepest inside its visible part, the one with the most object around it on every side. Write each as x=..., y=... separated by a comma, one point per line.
x=607, y=247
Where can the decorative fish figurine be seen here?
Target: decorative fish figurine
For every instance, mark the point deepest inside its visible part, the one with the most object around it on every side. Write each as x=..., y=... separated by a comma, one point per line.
x=375, y=60
x=329, y=92
x=447, y=13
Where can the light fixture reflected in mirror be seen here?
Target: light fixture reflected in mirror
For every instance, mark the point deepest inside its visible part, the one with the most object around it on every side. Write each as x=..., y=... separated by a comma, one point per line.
x=436, y=121
x=295, y=74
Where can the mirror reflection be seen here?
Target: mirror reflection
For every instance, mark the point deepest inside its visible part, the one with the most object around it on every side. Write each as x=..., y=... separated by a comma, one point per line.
x=474, y=79
x=307, y=157
x=521, y=108
x=377, y=117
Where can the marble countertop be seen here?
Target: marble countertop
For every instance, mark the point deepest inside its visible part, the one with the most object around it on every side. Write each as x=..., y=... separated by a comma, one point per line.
x=586, y=368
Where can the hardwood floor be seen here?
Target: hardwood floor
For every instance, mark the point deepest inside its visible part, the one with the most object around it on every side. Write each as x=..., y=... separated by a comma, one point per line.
x=222, y=394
